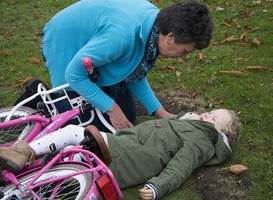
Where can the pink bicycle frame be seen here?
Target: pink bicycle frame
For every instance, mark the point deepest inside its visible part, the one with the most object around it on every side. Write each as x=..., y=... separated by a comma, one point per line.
x=52, y=124
x=98, y=171
x=44, y=126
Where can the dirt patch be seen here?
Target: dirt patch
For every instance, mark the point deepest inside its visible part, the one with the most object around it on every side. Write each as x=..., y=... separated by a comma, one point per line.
x=221, y=185
x=212, y=183
x=177, y=101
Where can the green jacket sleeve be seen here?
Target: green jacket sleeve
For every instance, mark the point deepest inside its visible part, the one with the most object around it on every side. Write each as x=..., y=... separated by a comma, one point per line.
x=181, y=166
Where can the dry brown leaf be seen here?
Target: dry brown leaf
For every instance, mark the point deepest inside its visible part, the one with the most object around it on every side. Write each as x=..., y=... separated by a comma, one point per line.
x=243, y=37
x=177, y=73
x=201, y=55
x=221, y=101
x=226, y=24
x=34, y=60
x=245, y=58
x=168, y=67
x=193, y=95
x=239, y=2
x=255, y=3
x=236, y=24
x=12, y=69
x=243, y=13
x=234, y=72
x=258, y=68
x=214, y=43
x=250, y=29
x=230, y=39
x=246, y=44
x=227, y=4
x=4, y=53
x=224, y=33
x=253, y=29
x=237, y=169
x=256, y=42
x=22, y=82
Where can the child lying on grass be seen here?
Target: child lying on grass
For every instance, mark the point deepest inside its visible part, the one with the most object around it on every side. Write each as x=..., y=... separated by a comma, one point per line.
x=161, y=153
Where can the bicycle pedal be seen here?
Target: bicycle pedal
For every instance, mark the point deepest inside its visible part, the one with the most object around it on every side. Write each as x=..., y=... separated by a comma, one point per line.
x=47, y=158
x=87, y=141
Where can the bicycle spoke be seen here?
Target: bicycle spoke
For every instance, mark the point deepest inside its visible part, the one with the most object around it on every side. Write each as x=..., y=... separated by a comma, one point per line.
x=69, y=187
x=11, y=133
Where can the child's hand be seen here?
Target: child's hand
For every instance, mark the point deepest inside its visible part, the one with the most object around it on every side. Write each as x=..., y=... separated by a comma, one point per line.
x=146, y=193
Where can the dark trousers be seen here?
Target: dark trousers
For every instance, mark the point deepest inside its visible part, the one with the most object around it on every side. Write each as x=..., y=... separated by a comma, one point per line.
x=125, y=101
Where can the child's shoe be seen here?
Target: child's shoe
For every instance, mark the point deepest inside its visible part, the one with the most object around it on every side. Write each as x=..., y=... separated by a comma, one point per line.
x=96, y=144
x=15, y=157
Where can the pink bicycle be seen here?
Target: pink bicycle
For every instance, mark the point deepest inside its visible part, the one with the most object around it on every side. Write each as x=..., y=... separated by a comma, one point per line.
x=59, y=175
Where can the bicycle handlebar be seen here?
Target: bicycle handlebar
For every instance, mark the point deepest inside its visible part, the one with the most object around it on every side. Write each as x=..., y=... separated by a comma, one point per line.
x=92, y=74
x=87, y=62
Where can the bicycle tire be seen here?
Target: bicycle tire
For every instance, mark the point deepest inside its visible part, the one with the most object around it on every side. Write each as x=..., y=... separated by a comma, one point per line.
x=77, y=187
x=14, y=132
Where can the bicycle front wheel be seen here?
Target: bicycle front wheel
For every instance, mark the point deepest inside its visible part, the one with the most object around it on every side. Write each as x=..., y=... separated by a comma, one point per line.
x=22, y=130
x=75, y=187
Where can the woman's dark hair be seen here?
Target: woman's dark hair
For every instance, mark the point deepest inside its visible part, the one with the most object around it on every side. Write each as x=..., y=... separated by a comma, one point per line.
x=189, y=22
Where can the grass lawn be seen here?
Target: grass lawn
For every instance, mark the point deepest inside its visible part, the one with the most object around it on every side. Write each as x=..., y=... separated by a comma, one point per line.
x=235, y=72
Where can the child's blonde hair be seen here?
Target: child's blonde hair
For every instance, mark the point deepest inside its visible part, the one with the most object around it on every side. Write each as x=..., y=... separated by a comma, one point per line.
x=232, y=131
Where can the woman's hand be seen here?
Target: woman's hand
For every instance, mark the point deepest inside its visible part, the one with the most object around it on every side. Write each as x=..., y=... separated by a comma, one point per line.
x=146, y=193
x=117, y=118
x=162, y=113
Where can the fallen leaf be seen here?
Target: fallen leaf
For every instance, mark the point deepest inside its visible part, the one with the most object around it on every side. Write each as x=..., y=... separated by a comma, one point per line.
x=246, y=44
x=226, y=24
x=193, y=95
x=237, y=169
x=221, y=101
x=236, y=24
x=243, y=37
x=7, y=34
x=224, y=33
x=4, y=53
x=34, y=60
x=177, y=73
x=214, y=43
x=253, y=30
x=12, y=69
x=230, y=39
x=243, y=13
x=168, y=67
x=256, y=42
x=22, y=82
x=239, y=2
x=219, y=9
x=250, y=29
x=255, y=3
x=234, y=72
x=258, y=68
x=201, y=55
x=245, y=59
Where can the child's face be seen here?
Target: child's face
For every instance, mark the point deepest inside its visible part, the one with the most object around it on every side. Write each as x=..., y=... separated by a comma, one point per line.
x=220, y=118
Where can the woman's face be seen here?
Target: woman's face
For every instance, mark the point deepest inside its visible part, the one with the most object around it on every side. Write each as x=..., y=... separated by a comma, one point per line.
x=220, y=118
x=168, y=48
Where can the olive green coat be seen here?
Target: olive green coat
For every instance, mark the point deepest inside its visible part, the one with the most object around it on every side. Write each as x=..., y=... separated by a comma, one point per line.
x=164, y=152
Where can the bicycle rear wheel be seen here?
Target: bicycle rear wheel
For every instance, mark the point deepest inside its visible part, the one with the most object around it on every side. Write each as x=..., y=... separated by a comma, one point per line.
x=22, y=130
x=75, y=187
